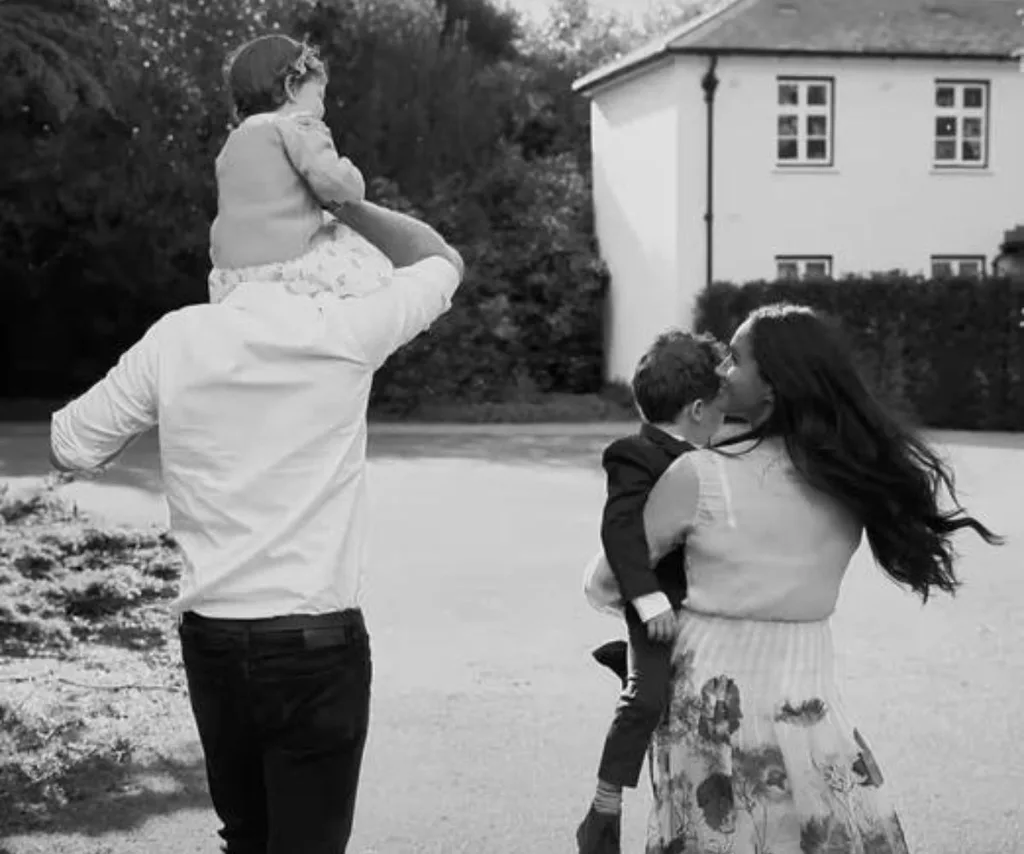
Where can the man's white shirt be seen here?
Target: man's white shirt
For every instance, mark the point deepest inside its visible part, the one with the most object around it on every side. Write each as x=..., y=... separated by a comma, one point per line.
x=261, y=404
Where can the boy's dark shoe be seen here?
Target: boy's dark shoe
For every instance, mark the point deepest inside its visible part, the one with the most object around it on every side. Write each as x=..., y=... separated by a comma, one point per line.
x=613, y=655
x=600, y=833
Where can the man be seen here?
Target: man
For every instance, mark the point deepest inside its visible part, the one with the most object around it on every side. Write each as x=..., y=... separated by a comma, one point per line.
x=261, y=403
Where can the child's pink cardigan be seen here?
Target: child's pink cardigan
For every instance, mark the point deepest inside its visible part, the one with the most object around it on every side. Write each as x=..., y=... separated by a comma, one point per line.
x=275, y=175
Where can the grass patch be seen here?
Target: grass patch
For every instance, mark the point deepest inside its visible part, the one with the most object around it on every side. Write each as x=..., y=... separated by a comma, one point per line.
x=90, y=684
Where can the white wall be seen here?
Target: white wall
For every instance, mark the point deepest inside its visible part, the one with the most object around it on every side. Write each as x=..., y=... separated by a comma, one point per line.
x=882, y=206
x=637, y=156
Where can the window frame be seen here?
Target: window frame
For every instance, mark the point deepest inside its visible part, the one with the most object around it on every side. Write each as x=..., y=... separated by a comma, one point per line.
x=801, y=261
x=980, y=260
x=959, y=113
x=802, y=113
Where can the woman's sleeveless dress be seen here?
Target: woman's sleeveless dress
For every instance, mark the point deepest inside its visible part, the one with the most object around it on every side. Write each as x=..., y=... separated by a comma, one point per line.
x=755, y=754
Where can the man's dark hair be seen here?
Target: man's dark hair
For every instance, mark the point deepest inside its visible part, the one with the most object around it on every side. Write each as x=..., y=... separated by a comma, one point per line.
x=678, y=369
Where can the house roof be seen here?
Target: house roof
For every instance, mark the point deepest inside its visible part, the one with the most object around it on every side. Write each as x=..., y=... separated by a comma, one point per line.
x=964, y=29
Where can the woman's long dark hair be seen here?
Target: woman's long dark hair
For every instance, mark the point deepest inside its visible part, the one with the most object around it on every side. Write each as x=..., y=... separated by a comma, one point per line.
x=845, y=444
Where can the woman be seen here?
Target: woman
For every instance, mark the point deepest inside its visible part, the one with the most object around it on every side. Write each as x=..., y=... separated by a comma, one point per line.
x=756, y=754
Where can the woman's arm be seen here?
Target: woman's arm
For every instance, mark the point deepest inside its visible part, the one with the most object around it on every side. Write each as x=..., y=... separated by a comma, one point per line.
x=671, y=509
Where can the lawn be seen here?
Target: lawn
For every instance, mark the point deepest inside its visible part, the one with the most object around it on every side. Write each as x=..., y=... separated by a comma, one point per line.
x=488, y=714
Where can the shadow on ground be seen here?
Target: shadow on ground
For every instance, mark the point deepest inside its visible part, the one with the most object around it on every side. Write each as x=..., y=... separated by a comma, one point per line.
x=106, y=797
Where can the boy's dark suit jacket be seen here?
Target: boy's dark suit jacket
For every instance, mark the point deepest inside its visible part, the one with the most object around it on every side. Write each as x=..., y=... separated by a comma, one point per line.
x=633, y=465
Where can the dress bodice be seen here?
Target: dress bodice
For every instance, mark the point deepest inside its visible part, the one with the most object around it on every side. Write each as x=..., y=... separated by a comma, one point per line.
x=764, y=544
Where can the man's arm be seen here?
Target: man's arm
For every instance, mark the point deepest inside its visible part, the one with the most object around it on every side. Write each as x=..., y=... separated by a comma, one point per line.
x=95, y=428
x=405, y=240
x=630, y=481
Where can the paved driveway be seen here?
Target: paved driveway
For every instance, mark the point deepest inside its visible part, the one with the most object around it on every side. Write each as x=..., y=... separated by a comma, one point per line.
x=488, y=715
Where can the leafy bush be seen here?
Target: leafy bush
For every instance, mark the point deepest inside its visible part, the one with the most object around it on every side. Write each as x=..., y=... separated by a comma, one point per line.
x=947, y=353
x=451, y=107
x=63, y=581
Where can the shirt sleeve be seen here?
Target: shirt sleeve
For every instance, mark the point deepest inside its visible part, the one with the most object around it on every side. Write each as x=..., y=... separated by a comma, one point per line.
x=671, y=509
x=622, y=527
x=93, y=429
x=310, y=147
x=385, y=319
x=651, y=605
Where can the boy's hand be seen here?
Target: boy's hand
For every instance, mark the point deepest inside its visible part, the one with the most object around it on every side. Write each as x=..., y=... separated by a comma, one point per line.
x=663, y=628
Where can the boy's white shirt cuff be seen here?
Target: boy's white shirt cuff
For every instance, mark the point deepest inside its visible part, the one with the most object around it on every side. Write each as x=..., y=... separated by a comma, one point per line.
x=651, y=605
x=602, y=592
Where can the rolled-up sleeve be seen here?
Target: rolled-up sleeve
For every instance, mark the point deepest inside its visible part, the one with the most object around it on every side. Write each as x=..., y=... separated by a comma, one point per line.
x=384, y=320
x=310, y=147
x=96, y=427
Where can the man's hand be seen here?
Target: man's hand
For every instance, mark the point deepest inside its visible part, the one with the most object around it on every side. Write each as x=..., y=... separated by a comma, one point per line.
x=663, y=628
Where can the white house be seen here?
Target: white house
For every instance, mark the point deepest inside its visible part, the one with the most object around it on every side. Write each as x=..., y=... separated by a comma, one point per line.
x=804, y=137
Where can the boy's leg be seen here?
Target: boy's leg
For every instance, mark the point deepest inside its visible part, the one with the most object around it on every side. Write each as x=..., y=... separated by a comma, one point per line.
x=637, y=714
x=640, y=706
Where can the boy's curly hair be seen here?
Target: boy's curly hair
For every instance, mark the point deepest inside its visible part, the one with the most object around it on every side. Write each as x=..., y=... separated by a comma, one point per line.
x=261, y=73
x=678, y=369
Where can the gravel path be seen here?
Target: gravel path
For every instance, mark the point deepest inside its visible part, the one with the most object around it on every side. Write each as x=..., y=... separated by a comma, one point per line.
x=488, y=715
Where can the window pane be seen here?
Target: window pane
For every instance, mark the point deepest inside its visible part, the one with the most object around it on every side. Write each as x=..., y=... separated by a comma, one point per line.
x=972, y=128
x=970, y=269
x=816, y=270
x=817, y=125
x=817, y=149
x=789, y=93
x=945, y=96
x=945, y=150
x=941, y=269
x=788, y=126
x=787, y=269
x=974, y=97
x=817, y=93
x=972, y=151
x=788, y=149
x=945, y=126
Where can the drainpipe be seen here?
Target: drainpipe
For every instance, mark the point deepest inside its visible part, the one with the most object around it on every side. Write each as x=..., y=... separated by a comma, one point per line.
x=709, y=83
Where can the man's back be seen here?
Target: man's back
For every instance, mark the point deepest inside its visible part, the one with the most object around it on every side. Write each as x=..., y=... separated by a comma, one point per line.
x=261, y=402
x=262, y=439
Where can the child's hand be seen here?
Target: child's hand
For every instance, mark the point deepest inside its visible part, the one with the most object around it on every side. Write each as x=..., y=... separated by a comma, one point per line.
x=663, y=628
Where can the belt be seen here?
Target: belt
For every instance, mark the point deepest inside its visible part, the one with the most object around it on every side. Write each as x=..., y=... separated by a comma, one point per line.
x=288, y=623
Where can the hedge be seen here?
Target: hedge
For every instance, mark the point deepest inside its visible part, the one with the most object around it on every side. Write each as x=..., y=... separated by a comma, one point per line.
x=947, y=354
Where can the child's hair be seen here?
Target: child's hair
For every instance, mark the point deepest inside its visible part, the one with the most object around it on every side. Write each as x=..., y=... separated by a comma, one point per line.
x=678, y=369
x=261, y=73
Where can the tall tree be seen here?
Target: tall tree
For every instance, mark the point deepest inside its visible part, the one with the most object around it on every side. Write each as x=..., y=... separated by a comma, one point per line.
x=51, y=56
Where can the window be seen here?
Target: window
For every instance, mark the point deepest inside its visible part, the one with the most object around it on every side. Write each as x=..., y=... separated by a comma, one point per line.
x=805, y=119
x=961, y=124
x=803, y=266
x=958, y=266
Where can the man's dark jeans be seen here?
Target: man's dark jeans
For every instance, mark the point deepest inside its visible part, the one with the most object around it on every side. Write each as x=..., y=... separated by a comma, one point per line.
x=282, y=707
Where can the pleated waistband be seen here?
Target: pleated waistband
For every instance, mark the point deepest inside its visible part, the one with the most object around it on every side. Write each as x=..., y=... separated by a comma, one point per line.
x=776, y=659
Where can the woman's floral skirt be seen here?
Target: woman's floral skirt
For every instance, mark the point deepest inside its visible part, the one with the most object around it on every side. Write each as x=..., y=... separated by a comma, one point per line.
x=342, y=262
x=755, y=754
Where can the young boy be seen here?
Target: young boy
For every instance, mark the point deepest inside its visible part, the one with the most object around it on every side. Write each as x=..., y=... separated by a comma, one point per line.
x=676, y=390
